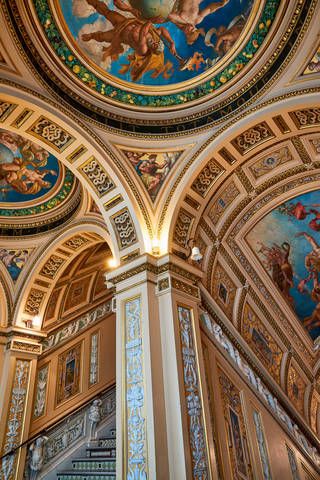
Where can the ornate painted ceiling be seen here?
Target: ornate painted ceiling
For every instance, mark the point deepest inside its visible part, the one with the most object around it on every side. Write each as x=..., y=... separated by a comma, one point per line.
x=146, y=124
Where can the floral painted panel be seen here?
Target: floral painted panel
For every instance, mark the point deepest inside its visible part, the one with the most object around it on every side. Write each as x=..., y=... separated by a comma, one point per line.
x=41, y=391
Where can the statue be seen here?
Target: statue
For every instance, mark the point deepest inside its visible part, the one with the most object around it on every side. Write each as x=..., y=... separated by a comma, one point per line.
x=36, y=456
x=94, y=418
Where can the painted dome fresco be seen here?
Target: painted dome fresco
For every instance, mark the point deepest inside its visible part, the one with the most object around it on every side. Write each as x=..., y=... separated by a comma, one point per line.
x=36, y=190
x=187, y=64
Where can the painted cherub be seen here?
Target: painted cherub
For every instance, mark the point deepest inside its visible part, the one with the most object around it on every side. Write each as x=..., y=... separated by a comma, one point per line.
x=146, y=41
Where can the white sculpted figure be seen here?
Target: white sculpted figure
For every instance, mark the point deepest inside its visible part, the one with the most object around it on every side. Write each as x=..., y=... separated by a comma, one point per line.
x=36, y=456
x=94, y=417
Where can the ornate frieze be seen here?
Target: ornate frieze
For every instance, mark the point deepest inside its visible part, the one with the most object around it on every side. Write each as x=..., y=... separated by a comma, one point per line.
x=135, y=417
x=97, y=176
x=197, y=435
x=307, y=117
x=51, y=133
x=225, y=199
x=41, y=391
x=215, y=332
x=207, y=177
x=5, y=109
x=77, y=153
x=315, y=142
x=34, y=301
x=185, y=287
x=262, y=446
x=124, y=229
x=22, y=117
x=24, y=346
x=94, y=358
x=235, y=427
x=52, y=266
x=182, y=227
x=262, y=343
x=114, y=201
x=252, y=137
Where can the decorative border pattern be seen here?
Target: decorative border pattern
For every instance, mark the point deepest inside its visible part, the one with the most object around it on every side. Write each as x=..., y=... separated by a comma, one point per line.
x=197, y=435
x=41, y=392
x=135, y=428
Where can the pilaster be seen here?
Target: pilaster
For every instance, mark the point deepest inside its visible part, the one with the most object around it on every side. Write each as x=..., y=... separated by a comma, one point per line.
x=17, y=381
x=159, y=372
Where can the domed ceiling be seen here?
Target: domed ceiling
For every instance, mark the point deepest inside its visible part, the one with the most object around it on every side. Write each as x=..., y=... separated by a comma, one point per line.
x=116, y=61
x=37, y=193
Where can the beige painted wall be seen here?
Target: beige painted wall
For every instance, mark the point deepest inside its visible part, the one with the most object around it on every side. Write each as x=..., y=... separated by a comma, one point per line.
x=106, y=372
x=276, y=438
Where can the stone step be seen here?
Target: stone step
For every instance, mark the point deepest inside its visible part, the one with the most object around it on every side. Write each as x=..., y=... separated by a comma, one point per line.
x=93, y=464
x=101, y=452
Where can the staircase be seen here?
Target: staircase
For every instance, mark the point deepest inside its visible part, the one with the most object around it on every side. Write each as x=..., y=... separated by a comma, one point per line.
x=98, y=463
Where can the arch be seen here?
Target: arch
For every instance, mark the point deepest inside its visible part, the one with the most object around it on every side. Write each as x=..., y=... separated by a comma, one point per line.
x=221, y=156
x=51, y=260
x=84, y=153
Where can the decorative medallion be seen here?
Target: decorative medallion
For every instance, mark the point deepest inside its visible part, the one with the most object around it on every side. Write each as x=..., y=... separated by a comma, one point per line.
x=286, y=241
x=155, y=53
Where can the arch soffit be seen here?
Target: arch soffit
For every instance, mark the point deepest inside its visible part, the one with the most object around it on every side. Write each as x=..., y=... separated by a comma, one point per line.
x=81, y=150
x=227, y=152
x=51, y=260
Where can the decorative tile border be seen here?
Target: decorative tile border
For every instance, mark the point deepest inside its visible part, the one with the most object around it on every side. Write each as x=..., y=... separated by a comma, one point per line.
x=197, y=434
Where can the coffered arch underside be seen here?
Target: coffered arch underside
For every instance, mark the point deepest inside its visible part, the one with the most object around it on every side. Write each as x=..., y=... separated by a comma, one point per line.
x=51, y=261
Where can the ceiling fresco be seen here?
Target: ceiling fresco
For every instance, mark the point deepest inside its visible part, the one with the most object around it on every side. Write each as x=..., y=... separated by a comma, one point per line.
x=155, y=42
x=155, y=53
x=314, y=64
x=27, y=171
x=152, y=167
x=287, y=243
x=33, y=185
x=14, y=260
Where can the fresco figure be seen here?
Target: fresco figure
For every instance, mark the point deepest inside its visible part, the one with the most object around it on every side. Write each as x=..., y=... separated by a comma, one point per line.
x=141, y=36
x=277, y=261
x=225, y=36
x=20, y=166
x=186, y=15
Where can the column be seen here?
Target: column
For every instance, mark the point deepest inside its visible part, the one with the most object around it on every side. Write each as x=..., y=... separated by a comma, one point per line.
x=161, y=425
x=16, y=384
